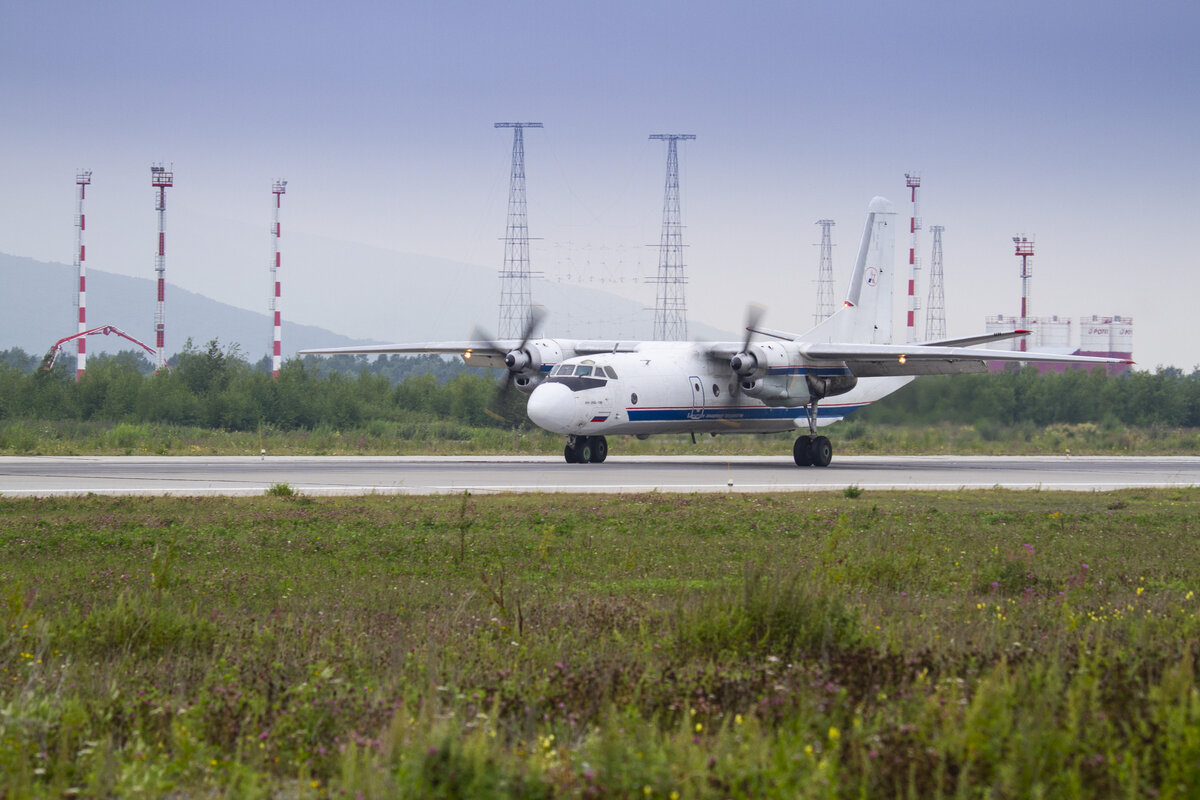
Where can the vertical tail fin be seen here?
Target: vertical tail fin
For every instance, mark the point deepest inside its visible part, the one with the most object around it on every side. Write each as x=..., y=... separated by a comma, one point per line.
x=866, y=315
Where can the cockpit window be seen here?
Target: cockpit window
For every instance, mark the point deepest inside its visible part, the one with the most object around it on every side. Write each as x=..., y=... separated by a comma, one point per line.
x=609, y=371
x=583, y=370
x=564, y=369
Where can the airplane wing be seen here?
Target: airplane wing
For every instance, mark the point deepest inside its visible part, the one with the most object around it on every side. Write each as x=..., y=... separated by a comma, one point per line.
x=481, y=352
x=983, y=338
x=476, y=353
x=876, y=360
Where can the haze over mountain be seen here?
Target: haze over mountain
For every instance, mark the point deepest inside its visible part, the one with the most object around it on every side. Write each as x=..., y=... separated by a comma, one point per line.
x=424, y=299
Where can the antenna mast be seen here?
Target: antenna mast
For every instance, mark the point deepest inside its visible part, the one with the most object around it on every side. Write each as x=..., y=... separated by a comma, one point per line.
x=278, y=189
x=913, y=181
x=515, y=277
x=161, y=179
x=670, y=309
x=825, y=273
x=935, y=318
x=1024, y=251
x=82, y=179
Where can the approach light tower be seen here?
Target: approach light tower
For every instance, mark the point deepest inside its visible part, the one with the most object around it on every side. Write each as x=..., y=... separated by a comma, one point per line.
x=515, y=278
x=82, y=179
x=161, y=178
x=935, y=317
x=1024, y=246
x=278, y=189
x=913, y=181
x=670, y=308
x=825, y=273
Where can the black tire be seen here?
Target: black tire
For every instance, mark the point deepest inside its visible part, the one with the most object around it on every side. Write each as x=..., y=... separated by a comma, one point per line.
x=802, y=451
x=569, y=454
x=822, y=451
x=599, y=449
x=583, y=450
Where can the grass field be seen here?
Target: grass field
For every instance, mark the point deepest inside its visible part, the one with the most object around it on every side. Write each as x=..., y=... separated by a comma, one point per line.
x=428, y=435
x=985, y=644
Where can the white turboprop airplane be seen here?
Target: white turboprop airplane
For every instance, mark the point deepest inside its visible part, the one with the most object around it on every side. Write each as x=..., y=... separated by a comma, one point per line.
x=589, y=390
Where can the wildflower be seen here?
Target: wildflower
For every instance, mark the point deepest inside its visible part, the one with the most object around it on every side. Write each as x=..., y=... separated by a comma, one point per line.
x=1141, y=589
x=834, y=734
x=737, y=720
x=699, y=727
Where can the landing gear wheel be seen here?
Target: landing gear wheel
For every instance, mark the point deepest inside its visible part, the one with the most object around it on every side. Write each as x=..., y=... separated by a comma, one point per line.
x=802, y=451
x=583, y=450
x=821, y=451
x=569, y=454
x=599, y=449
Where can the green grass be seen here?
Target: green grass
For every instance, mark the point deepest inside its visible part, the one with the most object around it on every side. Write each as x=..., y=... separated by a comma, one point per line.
x=428, y=435
x=988, y=644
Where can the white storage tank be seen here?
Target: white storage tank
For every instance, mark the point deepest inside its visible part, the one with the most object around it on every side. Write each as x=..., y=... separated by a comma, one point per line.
x=1121, y=340
x=1095, y=334
x=999, y=324
x=1053, y=333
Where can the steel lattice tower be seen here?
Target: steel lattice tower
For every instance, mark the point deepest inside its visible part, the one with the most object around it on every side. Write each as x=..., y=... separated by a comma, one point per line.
x=161, y=179
x=515, y=278
x=935, y=317
x=1024, y=246
x=278, y=189
x=913, y=181
x=825, y=273
x=670, y=308
x=82, y=179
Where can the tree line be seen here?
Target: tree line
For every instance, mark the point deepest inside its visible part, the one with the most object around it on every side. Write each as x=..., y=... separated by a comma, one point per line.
x=217, y=387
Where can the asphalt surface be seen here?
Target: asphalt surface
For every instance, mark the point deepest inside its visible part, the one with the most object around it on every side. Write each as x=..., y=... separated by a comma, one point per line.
x=45, y=476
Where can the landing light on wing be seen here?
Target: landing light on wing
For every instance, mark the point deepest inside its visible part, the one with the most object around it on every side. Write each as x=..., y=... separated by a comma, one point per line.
x=903, y=359
x=467, y=354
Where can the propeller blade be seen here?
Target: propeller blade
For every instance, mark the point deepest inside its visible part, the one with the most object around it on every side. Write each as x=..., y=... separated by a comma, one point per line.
x=754, y=315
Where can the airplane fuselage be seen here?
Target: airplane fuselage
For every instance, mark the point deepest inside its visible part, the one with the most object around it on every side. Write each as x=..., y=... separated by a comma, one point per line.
x=667, y=387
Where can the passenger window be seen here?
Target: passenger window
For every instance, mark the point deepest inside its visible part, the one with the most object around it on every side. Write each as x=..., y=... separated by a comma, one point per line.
x=633, y=399
x=716, y=390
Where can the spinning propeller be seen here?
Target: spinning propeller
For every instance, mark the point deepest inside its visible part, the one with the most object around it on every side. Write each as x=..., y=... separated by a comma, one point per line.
x=744, y=362
x=516, y=361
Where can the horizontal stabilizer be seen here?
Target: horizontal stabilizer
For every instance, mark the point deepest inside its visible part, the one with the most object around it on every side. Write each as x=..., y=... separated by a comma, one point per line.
x=983, y=338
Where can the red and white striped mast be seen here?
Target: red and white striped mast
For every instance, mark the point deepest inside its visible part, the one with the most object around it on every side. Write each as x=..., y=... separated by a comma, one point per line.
x=1024, y=247
x=161, y=179
x=913, y=181
x=278, y=189
x=82, y=179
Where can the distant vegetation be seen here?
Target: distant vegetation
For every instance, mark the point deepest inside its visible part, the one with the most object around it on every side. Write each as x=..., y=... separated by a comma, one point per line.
x=214, y=400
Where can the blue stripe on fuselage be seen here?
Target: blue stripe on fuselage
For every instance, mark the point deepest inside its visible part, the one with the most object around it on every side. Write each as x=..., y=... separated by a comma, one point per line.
x=734, y=413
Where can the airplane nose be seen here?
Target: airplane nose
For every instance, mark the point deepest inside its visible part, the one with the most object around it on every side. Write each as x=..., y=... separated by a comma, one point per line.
x=552, y=407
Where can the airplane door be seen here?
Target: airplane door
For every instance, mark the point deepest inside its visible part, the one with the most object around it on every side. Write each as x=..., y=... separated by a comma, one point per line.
x=697, y=411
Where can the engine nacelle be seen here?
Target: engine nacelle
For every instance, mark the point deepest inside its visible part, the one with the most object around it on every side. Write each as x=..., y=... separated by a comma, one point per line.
x=822, y=386
x=770, y=372
x=763, y=374
x=525, y=364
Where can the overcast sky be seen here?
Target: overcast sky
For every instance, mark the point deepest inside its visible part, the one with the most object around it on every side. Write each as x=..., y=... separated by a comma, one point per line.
x=1074, y=122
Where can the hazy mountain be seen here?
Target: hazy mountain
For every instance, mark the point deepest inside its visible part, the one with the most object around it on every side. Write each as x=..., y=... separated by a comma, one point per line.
x=423, y=299
x=37, y=308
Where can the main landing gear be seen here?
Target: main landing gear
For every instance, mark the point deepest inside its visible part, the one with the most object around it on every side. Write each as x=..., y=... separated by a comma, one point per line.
x=812, y=450
x=586, y=449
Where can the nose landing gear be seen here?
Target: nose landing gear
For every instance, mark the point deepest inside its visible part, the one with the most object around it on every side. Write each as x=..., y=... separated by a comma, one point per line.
x=586, y=450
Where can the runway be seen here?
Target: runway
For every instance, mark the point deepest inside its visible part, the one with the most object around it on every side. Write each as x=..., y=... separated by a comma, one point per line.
x=45, y=476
